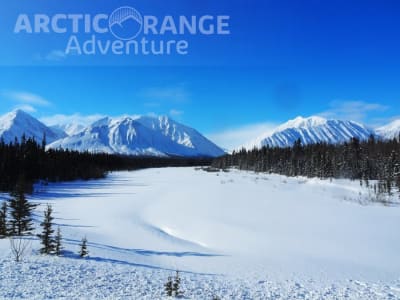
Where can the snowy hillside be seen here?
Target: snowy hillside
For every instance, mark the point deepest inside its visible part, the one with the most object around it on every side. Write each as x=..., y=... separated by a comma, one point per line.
x=17, y=123
x=69, y=129
x=390, y=131
x=312, y=130
x=234, y=235
x=140, y=136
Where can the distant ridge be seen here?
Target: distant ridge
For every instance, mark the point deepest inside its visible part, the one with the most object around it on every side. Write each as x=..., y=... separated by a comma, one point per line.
x=312, y=130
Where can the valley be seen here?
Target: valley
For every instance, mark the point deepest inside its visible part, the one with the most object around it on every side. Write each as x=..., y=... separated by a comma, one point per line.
x=235, y=235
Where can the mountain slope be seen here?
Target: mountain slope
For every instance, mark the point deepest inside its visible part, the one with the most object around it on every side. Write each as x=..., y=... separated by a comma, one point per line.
x=140, y=136
x=312, y=130
x=69, y=129
x=390, y=131
x=16, y=123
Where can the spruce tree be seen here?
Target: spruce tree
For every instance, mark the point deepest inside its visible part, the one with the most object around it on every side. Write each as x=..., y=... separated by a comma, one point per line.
x=47, y=240
x=58, y=248
x=83, y=252
x=3, y=220
x=177, y=285
x=21, y=212
x=169, y=287
x=173, y=286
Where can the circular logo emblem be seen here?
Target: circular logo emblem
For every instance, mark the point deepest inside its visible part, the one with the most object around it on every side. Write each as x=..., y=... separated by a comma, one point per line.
x=125, y=23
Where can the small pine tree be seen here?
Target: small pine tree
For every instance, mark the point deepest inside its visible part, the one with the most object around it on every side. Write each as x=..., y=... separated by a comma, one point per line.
x=83, y=252
x=21, y=212
x=177, y=285
x=47, y=240
x=169, y=287
x=58, y=248
x=172, y=286
x=3, y=220
x=44, y=142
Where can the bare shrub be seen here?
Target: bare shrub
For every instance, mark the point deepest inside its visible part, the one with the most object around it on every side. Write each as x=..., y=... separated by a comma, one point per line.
x=19, y=247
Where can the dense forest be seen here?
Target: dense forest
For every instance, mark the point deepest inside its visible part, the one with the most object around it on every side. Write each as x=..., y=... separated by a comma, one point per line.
x=28, y=160
x=372, y=159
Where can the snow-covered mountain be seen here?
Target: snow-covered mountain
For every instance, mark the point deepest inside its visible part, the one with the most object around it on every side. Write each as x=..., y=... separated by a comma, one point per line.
x=162, y=136
x=390, y=131
x=70, y=128
x=140, y=136
x=312, y=130
x=16, y=123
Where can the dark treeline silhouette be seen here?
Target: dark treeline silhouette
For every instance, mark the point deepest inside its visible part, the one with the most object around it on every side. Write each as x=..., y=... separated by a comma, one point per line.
x=372, y=159
x=29, y=160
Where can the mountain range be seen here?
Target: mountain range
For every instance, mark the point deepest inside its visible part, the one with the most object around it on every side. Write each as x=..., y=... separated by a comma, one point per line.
x=155, y=136
x=162, y=136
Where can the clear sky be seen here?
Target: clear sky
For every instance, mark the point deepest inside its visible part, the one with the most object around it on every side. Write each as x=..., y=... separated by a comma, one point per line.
x=281, y=59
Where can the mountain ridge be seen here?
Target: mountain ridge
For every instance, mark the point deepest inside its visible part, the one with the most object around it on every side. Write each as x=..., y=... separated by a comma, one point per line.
x=310, y=130
x=140, y=135
x=162, y=136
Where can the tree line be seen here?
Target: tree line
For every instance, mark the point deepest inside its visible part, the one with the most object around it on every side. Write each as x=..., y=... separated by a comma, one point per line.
x=371, y=159
x=28, y=159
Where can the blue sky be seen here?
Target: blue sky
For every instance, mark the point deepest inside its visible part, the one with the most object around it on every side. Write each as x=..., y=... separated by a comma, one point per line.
x=281, y=59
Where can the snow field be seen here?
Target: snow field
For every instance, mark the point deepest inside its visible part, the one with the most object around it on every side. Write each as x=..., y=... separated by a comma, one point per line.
x=235, y=235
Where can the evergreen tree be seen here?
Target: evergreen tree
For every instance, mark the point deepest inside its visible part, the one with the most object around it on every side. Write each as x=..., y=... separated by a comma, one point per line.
x=21, y=212
x=173, y=286
x=48, y=242
x=169, y=287
x=3, y=220
x=58, y=248
x=177, y=285
x=83, y=252
x=44, y=142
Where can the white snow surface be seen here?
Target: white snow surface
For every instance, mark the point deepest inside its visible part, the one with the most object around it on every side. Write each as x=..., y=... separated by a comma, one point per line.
x=17, y=123
x=143, y=135
x=312, y=130
x=235, y=235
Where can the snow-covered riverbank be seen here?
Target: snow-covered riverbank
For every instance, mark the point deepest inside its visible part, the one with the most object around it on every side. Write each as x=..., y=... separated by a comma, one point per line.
x=235, y=235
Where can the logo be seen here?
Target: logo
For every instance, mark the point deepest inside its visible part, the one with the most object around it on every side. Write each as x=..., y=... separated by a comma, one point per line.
x=125, y=23
x=124, y=32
